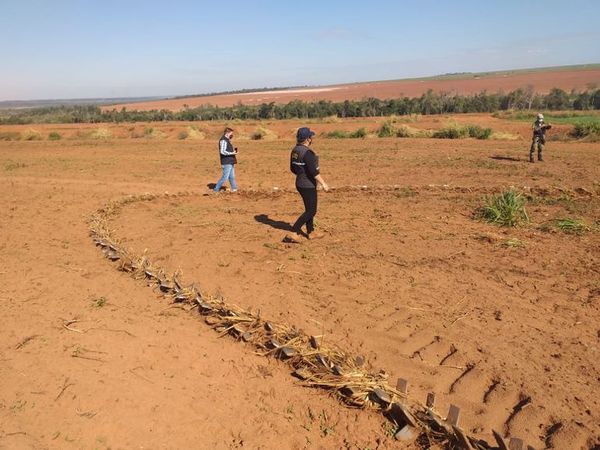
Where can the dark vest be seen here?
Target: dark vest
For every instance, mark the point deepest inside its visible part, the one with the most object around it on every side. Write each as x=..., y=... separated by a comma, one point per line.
x=227, y=159
x=304, y=168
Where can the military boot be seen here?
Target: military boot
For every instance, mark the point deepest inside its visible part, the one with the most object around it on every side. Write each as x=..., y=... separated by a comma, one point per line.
x=531, y=158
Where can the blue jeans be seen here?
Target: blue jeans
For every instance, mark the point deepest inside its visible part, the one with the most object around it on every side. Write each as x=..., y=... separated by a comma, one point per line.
x=228, y=174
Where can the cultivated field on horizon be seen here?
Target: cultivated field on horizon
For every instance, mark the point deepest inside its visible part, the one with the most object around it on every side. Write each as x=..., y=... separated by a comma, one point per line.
x=542, y=81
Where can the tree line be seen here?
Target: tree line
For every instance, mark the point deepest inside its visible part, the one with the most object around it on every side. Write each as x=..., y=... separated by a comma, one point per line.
x=428, y=103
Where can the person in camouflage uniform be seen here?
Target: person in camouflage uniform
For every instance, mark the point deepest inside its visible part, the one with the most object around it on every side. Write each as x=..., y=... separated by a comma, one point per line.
x=539, y=137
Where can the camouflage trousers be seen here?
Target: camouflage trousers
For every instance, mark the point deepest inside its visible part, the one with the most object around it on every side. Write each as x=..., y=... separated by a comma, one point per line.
x=538, y=141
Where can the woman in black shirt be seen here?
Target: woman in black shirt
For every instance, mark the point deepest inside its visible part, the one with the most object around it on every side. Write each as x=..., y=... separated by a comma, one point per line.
x=304, y=163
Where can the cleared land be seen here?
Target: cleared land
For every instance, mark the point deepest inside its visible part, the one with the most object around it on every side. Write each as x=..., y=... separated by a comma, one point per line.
x=541, y=81
x=91, y=358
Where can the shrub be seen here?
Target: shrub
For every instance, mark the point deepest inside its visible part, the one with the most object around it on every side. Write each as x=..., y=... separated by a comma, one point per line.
x=475, y=131
x=32, y=135
x=506, y=209
x=460, y=132
x=404, y=131
x=586, y=129
x=331, y=119
x=182, y=135
x=361, y=133
x=450, y=132
x=337, y=134
x=54, y=136
x=10, y=136
x=386, y=130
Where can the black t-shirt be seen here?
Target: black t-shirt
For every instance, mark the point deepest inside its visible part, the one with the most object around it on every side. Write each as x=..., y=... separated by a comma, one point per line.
x=305, y=165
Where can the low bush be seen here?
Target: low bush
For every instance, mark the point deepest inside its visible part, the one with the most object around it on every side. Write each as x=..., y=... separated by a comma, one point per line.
x=54, y=136
x=32, y=135
x=460, y=132
x=475, y=131
x=586, y=129
x=10, y=136
x=182, y=135
x=451, y=132
x=506, y=209
x=337, y=134
x=361, y=133
x=387, y=129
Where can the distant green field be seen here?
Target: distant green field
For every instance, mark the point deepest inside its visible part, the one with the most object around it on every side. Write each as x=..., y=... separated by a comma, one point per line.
x=565, y=117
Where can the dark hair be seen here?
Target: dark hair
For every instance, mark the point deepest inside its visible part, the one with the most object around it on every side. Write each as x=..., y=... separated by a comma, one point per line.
x=227, y=130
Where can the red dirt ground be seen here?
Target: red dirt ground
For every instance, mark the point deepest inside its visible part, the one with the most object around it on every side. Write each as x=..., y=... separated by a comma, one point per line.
x=541, y=81
x=403, y=277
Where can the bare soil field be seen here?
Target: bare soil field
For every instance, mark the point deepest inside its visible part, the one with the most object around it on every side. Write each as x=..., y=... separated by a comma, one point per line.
x=541, y=81
x=502, y=322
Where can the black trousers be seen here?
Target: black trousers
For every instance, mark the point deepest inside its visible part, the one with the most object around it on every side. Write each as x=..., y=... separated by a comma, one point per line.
x=309, y=197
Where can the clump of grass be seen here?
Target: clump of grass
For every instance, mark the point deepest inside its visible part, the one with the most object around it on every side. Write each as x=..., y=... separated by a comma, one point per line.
x=99, y=302
x=262, y=134
x=331, y=119
x=405, y=131
x=461, y=132
x=513, y=243
x=100, y=133
x=337, y=134
x=587, y=129
x=506, y=209
x=503, y=136
x=152, y=133
x=405, y=192
x=10, y=136
x=450, y=132
x=571, y=226
x=361, y=133
x=54, y=136
x=32, y=135
x=195, y=133
x=475, y=131
x=11, y=165
x=182, y=135
x=387, y=129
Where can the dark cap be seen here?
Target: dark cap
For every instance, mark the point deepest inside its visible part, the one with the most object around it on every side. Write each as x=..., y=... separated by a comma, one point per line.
x=303, y=134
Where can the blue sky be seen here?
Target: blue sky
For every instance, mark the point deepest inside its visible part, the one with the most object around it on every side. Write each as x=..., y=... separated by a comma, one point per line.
x=109, y=48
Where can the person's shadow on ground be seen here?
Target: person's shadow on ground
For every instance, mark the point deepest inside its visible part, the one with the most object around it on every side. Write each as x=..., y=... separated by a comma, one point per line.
x=278, y=224
x=504, y=158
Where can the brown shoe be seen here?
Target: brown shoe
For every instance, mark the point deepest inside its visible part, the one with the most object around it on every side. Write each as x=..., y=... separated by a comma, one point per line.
x=293, y=238
x=316, y=235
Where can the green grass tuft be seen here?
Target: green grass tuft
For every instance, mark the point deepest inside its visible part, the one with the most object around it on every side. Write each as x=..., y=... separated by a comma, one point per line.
x=506, y=209
x=571, y=226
